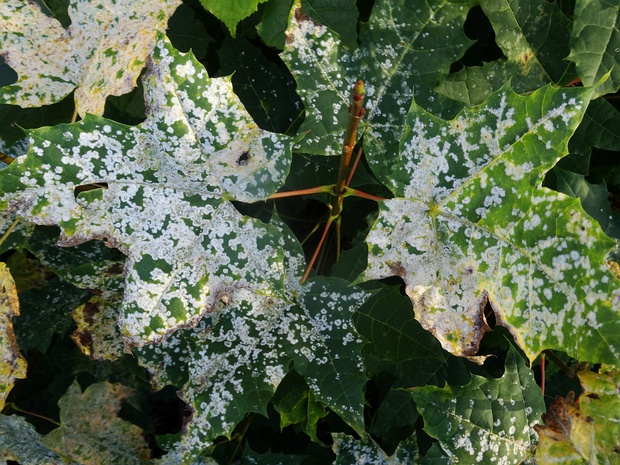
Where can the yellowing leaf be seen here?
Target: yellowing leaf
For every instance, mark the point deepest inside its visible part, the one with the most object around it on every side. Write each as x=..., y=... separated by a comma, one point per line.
x=91, y=433
x=585, y=431
x=97, y=334
x=101, y=53
x=12, y=363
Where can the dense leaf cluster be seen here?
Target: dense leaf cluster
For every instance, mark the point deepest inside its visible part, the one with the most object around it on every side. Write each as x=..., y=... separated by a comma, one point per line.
x=152, y=305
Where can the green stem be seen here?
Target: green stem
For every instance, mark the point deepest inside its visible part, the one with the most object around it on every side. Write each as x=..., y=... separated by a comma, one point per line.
x=17, y=409
x=8, y=231
x=357, y=193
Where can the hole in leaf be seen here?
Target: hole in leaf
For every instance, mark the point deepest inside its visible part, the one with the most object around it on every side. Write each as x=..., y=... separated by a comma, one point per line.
x=478, y=27
x=88, y=187
x=489, y=315
x=244, y=159
x=115, y=269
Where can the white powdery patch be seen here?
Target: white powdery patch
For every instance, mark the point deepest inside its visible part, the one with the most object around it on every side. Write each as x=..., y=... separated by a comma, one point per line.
x=518, y=172
x=410, y=248
x=243, y=348
x=100, y=54
x=426, y=160
x=539, y=252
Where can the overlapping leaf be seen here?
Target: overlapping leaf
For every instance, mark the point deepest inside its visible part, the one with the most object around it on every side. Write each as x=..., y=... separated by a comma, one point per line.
x=12, y=363
x=163, y=194
x=19, y=441
x=91, y=431
x=400, y=354
x=587, y=431
x=230, y=13
x=534, y=38
x=486, y=419
x=233, y=361
x=470, y=224
x=16, y=232
x=101, y=53
x=96, y=269
x=238, y=364
x=594, y=43
x=349, y=450
x=401, y=45
x=295, y=403
x=594, y=198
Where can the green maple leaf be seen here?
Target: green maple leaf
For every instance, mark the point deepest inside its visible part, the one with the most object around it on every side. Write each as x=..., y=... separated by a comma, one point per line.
x=295, y=403
x=487, y=418
x=231, y=12
x=234, y=360
x=471, y=224
x=349, y=450
x=237, y=359
x=594, y=44
x=101, y=53
x=165, y=201
x=534, y=39
x=401, y=46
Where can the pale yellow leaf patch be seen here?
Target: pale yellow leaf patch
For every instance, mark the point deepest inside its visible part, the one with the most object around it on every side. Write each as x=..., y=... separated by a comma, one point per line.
x=101, y=53
x=12, y=363
x=91, y=432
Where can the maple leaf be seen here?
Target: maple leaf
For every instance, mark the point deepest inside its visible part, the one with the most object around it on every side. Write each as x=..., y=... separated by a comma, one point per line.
x=101, y=53
x=349, y=450
x=397, y=47
x=533, y=37
x=233, y=361
x=19, y=441
x=231, y=12
x=91, y=431
x=486, y=418
x=584, y=431
x=164, y=196
x=594, y=44
x=471, y=224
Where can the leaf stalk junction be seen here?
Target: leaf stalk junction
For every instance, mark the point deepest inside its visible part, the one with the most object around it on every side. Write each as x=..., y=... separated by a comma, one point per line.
x=340, y=190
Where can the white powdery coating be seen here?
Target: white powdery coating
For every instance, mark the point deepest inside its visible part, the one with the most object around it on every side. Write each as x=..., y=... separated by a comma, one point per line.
x=165, y=202
x=326, y=71
x=469, y=226
x=222, y=146
x=244, y=348
x=477, y=425
x=415, y=239
x=367, y=452
x=101, y=53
